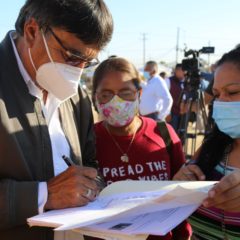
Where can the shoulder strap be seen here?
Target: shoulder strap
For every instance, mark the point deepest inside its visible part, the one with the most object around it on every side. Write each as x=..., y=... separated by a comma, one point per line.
x=162, y=127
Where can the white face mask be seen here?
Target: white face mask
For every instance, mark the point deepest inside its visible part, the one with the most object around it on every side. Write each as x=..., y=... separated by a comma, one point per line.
x=60, y=79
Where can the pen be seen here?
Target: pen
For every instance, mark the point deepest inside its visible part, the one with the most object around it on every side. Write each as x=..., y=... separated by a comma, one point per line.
x=68, y=161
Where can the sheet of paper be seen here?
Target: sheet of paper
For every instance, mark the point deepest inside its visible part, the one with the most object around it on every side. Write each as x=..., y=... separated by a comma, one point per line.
x=127, y=200
x=156, y=223
x=96, y=211
x=145, y=186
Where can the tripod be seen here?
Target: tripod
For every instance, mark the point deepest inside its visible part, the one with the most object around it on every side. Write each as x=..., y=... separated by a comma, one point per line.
x=192, y=102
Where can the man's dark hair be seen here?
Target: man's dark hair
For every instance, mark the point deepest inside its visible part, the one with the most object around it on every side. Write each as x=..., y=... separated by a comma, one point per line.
x=151, y=63
x=178, y=65
x=89, y=20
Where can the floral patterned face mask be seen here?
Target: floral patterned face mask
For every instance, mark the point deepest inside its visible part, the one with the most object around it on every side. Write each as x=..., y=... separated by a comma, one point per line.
x=118, y=112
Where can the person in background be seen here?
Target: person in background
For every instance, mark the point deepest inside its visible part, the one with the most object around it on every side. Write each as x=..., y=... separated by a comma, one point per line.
x=44, y=114
x=176, y=88
x=130, y=146
x=208, y=96
x=156, y=100
x=218, y=158
x=163, y=75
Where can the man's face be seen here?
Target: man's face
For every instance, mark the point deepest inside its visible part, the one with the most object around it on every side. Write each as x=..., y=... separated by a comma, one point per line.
x=179, y=73
x=64, y=47
x=149, y=69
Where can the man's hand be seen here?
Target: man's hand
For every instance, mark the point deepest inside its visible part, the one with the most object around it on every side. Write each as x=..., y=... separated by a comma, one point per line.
x=74, y=187
x=225, y=194
x=189, y=173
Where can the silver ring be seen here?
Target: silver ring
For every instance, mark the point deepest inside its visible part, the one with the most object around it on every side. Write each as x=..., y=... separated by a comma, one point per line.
x=89, y=193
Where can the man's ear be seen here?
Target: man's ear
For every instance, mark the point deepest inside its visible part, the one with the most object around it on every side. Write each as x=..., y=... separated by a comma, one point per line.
x=154, y=72
x=31, y=31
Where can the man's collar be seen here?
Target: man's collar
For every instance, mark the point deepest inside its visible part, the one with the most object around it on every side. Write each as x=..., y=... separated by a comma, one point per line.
x=33, y=89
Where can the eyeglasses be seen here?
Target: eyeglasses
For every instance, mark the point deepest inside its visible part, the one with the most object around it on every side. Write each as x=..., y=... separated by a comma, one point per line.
x=74, y=58
x=106, y=95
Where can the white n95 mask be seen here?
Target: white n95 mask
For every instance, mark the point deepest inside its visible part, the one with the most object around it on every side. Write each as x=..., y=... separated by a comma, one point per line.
x=60, y=79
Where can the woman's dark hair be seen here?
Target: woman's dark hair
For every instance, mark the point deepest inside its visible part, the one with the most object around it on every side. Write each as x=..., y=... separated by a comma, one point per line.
x=89, y=20
x=113, y=64
x=216, y=142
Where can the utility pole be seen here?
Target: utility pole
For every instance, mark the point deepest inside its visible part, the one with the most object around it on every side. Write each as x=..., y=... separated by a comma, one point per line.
x=144, y=47
x=209, y=44
x=177, y=44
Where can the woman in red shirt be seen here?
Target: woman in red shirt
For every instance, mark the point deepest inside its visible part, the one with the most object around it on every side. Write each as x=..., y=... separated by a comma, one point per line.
x=130, y=146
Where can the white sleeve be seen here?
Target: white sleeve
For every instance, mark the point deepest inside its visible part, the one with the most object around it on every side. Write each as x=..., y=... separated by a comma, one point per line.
x=163, y=93
x=42, y=196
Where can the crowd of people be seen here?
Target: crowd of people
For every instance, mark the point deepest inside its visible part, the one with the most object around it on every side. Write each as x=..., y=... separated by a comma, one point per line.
x=46, y=119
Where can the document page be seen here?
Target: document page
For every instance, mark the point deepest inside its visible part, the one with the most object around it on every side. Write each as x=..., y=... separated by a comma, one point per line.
x=156, y=223
x=135, y=207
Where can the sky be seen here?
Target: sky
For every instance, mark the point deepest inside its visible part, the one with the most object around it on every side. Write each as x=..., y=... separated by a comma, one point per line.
x=200, y=23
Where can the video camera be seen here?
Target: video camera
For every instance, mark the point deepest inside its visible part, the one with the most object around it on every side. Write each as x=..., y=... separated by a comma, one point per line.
x=192, y=66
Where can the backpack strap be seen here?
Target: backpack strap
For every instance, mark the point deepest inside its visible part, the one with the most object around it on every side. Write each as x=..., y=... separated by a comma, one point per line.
x=162, y=127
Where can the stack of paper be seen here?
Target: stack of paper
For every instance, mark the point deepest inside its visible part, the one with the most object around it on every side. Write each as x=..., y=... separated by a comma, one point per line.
x=126, y=208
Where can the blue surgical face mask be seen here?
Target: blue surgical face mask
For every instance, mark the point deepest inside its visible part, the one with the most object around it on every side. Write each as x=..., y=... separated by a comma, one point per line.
x=227, y=117
x=146, y=75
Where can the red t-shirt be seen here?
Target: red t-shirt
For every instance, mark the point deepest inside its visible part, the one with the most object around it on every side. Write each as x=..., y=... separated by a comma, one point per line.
x=148, y=159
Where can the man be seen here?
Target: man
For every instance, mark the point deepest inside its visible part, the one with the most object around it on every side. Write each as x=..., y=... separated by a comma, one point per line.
x=156, y=100
x=176, y=87
x=44, y=115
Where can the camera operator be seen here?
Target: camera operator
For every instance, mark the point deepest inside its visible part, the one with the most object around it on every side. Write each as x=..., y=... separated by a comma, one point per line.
x=208, y=95
x=176, y=87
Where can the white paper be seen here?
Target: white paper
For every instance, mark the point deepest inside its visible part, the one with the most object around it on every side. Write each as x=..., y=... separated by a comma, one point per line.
x=146, y=207
x=156, y=223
